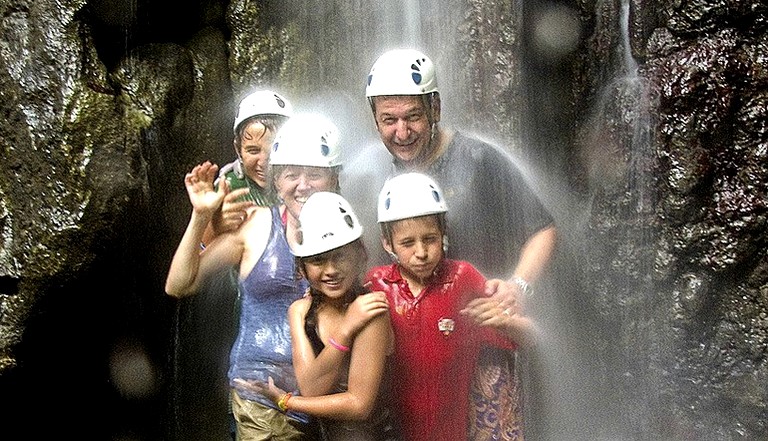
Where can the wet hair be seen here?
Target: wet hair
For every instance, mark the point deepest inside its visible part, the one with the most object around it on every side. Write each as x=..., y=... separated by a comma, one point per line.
x=271, y=122
x=274, y=171
x=310, y=320
x=442, y=225
x=430, y=100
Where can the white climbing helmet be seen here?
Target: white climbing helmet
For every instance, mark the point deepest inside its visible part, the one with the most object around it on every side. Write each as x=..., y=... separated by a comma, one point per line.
x=262, y=102
x=327, y=222
x=410, y=195
x=307, y=139
x=401, y=72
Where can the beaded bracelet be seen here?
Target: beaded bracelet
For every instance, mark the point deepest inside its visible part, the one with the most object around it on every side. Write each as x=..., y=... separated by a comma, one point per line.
x=338, y=345
x=282, y=403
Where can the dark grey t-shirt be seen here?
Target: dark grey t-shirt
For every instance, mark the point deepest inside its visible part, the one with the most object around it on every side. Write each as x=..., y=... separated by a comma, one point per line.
x=492, y=209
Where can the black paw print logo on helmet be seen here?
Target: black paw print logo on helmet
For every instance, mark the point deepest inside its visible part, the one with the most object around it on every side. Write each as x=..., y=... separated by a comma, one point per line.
x=416, y=70
x=325, y=150
x=410, y=195
x=401, y=72
x=280, y=101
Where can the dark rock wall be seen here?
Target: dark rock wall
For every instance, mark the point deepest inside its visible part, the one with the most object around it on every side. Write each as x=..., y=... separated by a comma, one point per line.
x=644, y=125
x=677, y=229
x=94, y=148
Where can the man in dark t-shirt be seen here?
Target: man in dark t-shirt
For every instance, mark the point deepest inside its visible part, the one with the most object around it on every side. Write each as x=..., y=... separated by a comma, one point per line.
x=497, y=223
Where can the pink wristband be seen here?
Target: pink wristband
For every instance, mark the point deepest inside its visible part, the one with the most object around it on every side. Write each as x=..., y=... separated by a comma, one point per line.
x=338, y=345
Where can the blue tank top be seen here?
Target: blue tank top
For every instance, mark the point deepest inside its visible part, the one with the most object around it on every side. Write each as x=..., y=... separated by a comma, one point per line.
x=263, y=345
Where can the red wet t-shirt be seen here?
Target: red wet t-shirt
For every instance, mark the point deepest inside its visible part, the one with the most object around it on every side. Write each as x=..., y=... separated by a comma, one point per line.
x=436, y=348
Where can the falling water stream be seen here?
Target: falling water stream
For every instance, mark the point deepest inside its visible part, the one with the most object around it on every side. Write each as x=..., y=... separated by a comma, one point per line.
x=652, y=315
x=344, y=39
x=620, y=141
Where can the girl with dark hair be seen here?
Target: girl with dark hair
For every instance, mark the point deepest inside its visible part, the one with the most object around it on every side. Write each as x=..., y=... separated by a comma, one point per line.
x=333, y=320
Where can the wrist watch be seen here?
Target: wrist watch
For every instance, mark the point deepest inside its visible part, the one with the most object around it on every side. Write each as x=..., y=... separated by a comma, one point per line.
x=524, y=286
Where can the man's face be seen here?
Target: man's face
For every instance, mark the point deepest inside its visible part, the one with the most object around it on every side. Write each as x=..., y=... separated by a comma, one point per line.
x=404, y=127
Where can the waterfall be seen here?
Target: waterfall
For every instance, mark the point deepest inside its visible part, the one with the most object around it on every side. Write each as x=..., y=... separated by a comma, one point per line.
x=620, y=153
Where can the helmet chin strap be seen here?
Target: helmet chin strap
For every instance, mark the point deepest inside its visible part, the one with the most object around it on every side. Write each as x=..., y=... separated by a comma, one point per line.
x=239, y=167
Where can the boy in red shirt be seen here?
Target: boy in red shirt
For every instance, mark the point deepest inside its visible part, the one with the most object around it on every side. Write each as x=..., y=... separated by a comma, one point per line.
x=437, y=338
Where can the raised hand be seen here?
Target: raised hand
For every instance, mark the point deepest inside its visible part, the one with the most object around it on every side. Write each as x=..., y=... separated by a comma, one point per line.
x=233, y=212
x=199, y=184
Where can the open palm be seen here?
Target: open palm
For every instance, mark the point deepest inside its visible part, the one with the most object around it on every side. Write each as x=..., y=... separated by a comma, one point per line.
x=199, y=183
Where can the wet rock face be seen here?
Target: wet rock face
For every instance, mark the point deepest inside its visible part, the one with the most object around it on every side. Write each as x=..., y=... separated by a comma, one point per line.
x=96, y=138
x=704, y=309
x=92, y=163
x=55, y=124
x=715, y=217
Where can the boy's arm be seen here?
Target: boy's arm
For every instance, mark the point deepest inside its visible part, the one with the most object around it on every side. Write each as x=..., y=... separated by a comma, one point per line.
x=493, y=313
x=490, y=312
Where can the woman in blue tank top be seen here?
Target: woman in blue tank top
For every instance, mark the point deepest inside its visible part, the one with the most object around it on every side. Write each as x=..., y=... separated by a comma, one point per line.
x=304, y=159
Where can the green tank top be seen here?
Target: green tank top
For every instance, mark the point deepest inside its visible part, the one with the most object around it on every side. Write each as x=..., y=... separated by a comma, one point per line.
x=236, y=179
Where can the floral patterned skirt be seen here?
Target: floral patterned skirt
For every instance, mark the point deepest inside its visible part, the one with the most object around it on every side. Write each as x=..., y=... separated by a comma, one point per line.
x=496, y=410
